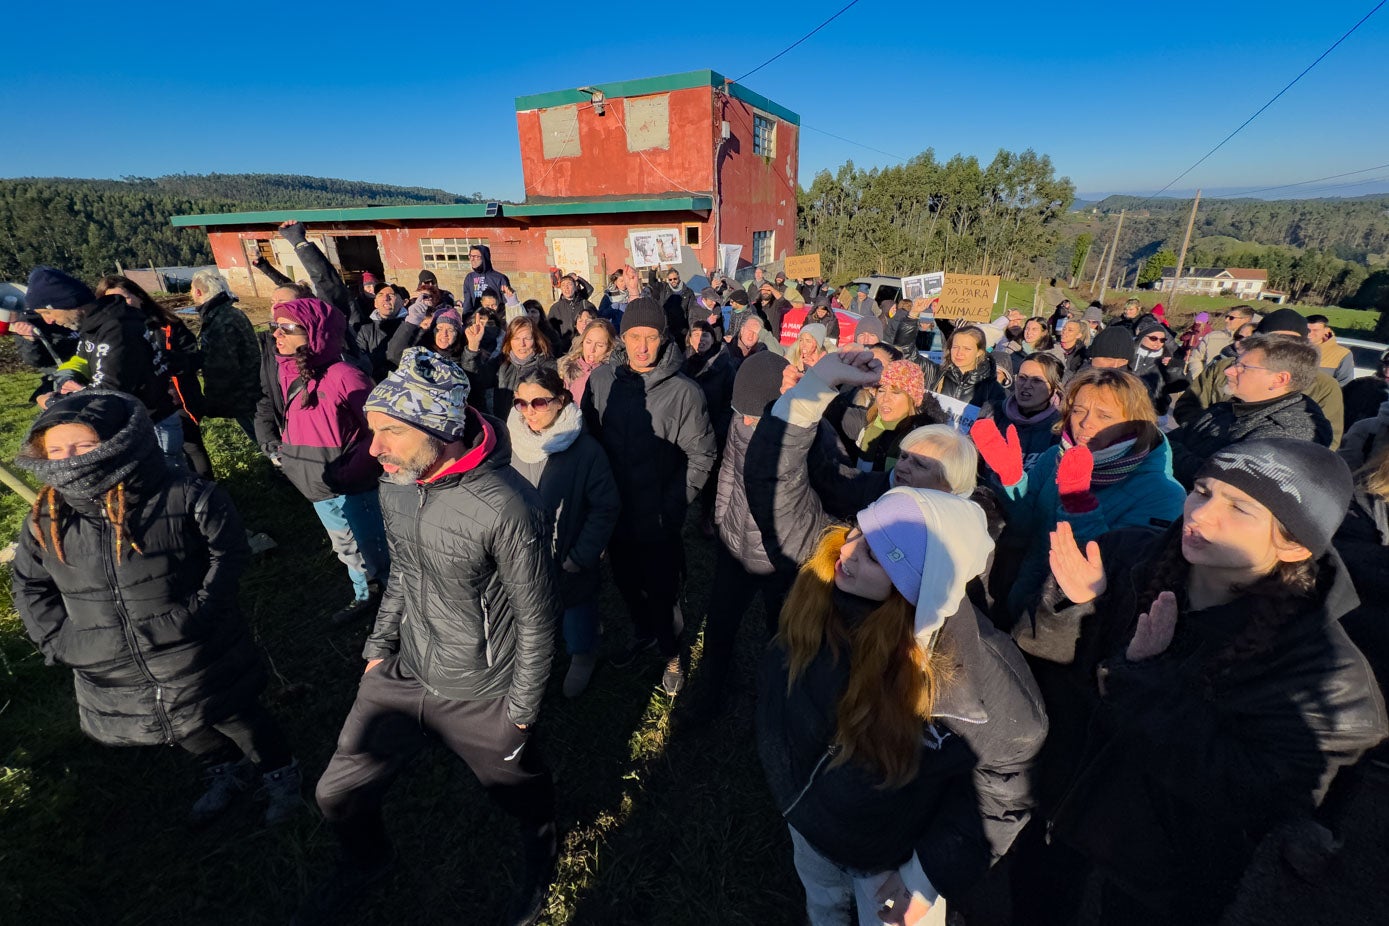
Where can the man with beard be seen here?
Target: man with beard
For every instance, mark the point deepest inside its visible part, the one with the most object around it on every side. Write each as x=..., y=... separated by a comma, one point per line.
x=462, y=644
x=677, y=299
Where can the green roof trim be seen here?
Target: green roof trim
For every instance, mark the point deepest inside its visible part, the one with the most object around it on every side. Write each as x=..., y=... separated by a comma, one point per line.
x=649, y=85
x=455, y=211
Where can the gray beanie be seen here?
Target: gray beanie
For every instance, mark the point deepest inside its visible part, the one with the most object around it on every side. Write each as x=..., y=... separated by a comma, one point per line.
x=428, y=391
x=1306, y=487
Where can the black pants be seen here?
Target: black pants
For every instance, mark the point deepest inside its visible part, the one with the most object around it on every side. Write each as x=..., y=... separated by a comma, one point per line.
x=647, y=573
x=734, y=589
x=252, y=733
x=393, y=718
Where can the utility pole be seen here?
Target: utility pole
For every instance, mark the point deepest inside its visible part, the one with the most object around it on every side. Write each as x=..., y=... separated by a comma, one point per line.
x=1095, y=280
x=1181, y=258
x=1113, y=248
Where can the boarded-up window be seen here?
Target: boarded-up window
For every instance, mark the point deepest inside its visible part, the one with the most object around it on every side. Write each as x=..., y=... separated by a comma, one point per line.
x=648, y=122
x=559, y=132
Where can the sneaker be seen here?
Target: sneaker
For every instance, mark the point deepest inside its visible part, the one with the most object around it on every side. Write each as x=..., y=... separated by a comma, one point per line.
x=340, y=892
x=359, y=608
x=636, y=651
x=580, y=672
x=282, y=789
x=224, y=782
x=540, y=851
x=673, y=678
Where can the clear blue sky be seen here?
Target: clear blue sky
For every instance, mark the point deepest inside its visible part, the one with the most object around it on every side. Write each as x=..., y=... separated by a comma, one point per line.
x=1121, y=96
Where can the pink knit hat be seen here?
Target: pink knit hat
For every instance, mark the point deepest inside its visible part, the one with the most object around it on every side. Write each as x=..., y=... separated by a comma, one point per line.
x=907, y=378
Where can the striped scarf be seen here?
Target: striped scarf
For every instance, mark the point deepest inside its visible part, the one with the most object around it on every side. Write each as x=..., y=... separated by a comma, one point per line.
x=1114, y=463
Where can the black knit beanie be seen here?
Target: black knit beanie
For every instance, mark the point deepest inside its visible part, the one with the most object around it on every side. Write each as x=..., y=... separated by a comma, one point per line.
x=1283, y=320
x=1306, y=486
x=758, y=383
x=54, y=289
x=738, y=297
x=1115, y=342
x=644, y=312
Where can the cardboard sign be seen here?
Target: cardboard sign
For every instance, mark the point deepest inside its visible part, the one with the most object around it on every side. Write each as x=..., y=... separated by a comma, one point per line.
x=804, y=267
x=968, y=297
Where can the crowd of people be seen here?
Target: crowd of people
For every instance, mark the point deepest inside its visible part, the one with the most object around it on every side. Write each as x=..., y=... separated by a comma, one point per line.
x=1066, y=611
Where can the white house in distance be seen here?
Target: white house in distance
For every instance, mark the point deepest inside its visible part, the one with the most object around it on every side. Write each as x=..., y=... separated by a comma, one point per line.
x=1240, y=282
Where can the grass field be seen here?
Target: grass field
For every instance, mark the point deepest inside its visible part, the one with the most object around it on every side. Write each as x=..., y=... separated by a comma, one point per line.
x=657, y=825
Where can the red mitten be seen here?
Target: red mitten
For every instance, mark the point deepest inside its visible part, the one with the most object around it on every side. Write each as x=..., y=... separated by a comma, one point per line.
x=1073, y=474
x=1002, y=454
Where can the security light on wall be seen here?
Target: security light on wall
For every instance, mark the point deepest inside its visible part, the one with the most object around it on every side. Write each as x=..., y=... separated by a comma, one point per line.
x=598, y=98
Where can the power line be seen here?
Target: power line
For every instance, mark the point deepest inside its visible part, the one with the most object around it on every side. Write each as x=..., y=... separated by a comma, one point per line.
x=1285, y=186
x=798, y=41
x=1271, y=101
x=897, y=157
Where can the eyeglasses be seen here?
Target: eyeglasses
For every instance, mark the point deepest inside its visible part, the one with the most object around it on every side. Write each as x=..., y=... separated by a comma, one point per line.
x=539, y=404
x=1240, y=365
x=286, y=327
x=1155, y=338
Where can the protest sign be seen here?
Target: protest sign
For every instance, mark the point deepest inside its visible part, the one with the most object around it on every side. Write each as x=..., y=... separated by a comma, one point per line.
x=968, y=297
x=651, y=248
x=922, y=286
x=959, y=415
x=804, y=267
x=728, y=258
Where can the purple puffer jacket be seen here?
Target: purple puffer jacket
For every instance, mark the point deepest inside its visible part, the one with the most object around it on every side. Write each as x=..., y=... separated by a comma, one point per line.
x=325, y=447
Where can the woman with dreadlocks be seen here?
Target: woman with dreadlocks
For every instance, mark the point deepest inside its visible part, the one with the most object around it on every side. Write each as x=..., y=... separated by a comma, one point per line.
x=127, y=573
x=896, y=726
x=1202, y=689
x=310, y=423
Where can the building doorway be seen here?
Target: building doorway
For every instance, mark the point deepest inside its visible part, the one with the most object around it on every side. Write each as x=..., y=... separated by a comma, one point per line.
x=358, y=254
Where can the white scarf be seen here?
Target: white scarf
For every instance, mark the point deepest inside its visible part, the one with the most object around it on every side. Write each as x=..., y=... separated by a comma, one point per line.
x=531, y=447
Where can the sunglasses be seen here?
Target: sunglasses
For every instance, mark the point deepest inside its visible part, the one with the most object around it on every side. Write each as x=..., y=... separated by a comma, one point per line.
x=286, y=327
x=1157, y=338
x=538, y=404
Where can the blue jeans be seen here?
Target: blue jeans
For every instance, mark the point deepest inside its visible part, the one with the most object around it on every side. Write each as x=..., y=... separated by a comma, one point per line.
x=581, y=628
x=358, y=537
x=169, y=434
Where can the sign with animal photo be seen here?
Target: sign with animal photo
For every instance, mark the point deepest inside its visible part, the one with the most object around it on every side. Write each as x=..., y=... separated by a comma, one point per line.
x=968, y=297
x=925, y=286
x=802, y=267
x=959, y=415
x=652, y=248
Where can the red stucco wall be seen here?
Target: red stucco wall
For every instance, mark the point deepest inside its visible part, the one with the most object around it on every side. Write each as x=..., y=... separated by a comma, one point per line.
x=606, y=168
x=757, y=193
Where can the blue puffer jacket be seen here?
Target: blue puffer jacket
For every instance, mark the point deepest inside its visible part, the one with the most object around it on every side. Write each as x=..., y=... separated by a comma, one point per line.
x=1148, y=498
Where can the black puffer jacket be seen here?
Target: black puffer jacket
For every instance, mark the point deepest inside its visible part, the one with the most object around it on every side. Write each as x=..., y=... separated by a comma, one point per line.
x=713, y=372
x=978, y=387
x=576, y=484
x=565, y=312
x=970, y=797
x=1169, y=779
x=657, y=434
x=156, y=640
x=1292, y=416
x=472, y=602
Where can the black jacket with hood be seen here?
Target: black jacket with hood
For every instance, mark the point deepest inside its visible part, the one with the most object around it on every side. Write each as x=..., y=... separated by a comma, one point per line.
x=154, y=636
x=656, y=431
x=123, y=353
x=472, y=602
x=1293, y=416
x=478, y=280
x=565, y=312
x=1168, y=776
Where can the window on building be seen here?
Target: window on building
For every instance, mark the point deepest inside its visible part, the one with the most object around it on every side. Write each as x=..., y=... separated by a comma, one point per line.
x=692, y=236
x=446, y=253
x=763, y=136
x=762, y=248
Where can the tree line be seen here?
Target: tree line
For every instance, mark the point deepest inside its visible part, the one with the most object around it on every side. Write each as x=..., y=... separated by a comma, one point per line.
x=959, y=216
x=86, y=226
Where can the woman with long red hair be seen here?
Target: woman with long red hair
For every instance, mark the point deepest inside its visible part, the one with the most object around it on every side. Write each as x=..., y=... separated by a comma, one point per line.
x=895, y=724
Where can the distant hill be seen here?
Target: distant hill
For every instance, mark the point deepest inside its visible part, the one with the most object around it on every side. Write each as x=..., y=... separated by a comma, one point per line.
x=85, y=226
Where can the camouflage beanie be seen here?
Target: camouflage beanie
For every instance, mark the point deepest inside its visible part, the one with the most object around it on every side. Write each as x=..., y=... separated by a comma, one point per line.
x=428, y=391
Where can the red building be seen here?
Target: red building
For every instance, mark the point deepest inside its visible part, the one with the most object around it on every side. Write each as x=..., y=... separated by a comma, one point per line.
x=692, y=154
